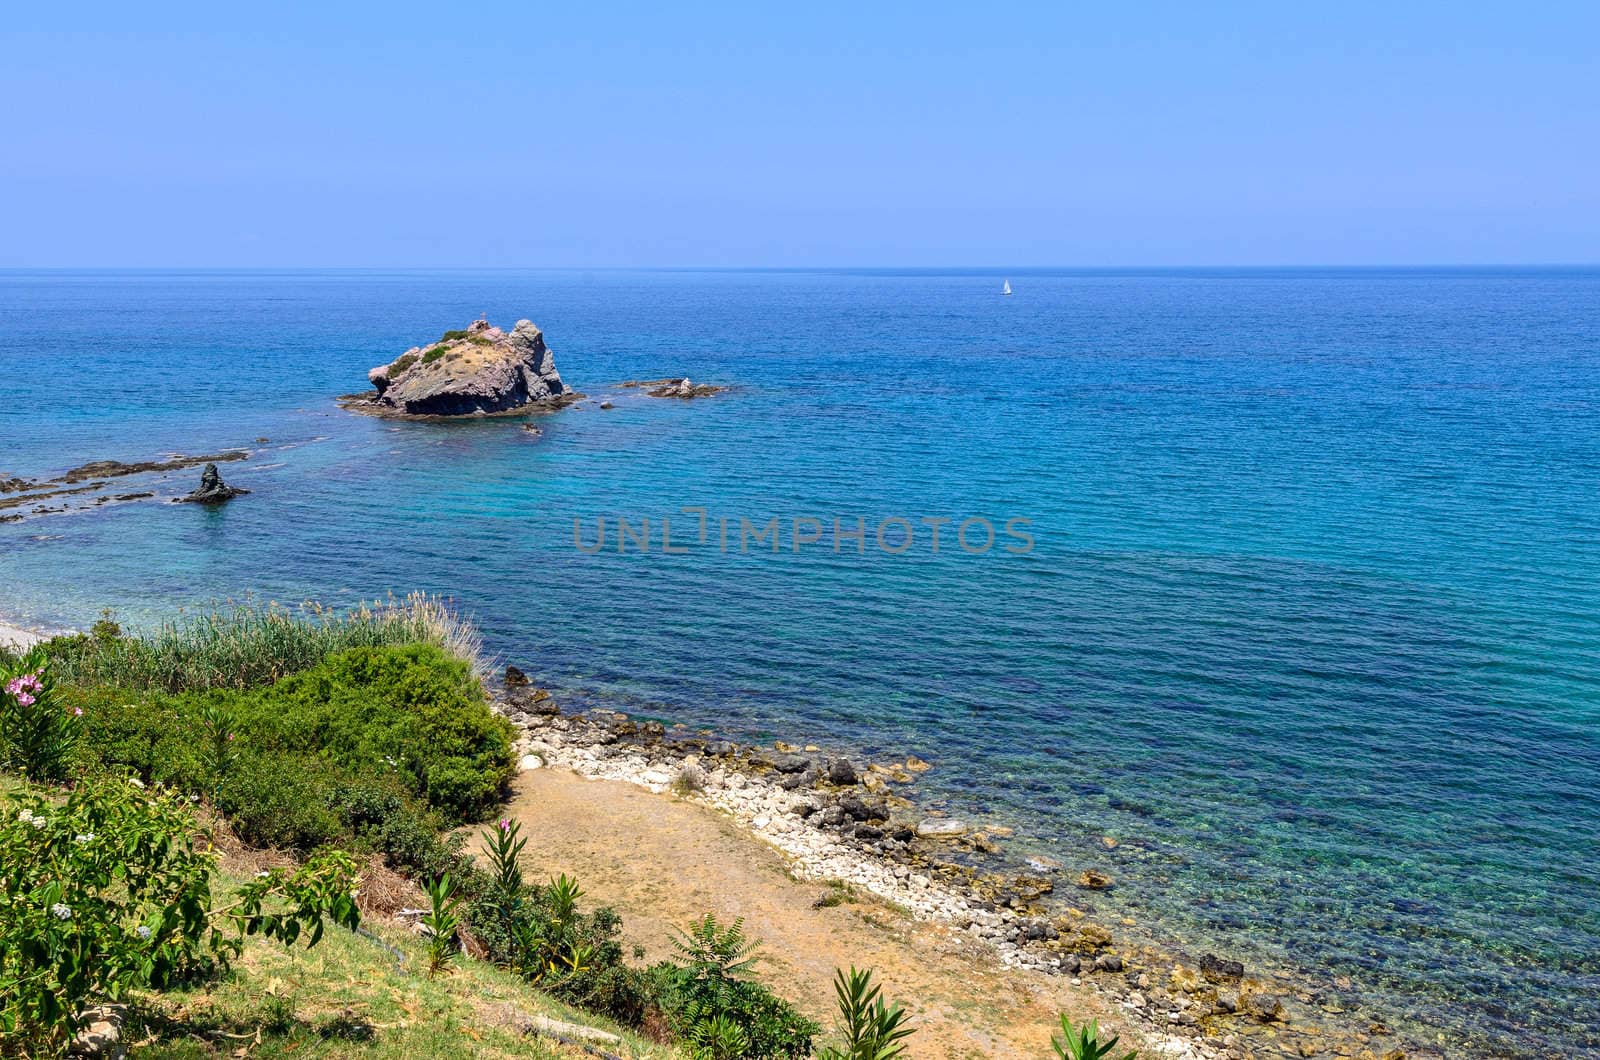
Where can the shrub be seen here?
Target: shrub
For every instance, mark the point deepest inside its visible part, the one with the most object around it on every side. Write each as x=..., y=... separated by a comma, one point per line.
x=401, y=364
x=433, y=354
x=541, y=934
x=412, y=712
x=453, y=336
x=250, y=645
x=111, y=890
x=37, y=735
x=1083, y=1043
x=872, y=1029
x=442, y=921
x=710, y=983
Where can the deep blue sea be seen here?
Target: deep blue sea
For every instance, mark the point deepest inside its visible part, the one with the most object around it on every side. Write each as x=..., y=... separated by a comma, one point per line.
x=1311, y=620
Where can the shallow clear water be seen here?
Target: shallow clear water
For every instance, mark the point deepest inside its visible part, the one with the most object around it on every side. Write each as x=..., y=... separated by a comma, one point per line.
x=1310, y=623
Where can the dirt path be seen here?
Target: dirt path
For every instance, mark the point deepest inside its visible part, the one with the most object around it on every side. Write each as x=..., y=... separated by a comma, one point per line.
x=662, y=862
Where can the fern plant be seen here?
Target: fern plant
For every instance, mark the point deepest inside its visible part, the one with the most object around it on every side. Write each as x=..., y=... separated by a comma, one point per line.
x=872, y=1028
x=1083, y=1043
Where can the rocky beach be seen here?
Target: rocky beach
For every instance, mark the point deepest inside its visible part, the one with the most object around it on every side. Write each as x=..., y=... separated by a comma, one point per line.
x=856, y=825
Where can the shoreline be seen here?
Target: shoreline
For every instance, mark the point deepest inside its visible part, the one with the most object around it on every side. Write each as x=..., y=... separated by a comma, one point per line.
x=19, y=638
x=848, y=827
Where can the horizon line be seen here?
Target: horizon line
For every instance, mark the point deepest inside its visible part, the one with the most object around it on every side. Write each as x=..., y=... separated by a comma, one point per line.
x=1016, y=269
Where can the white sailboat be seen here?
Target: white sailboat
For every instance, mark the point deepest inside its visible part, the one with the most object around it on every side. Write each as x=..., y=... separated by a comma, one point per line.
x=1007, y=288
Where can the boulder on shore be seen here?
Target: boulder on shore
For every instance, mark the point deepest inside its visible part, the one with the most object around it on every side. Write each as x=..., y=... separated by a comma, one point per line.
x=478, y=371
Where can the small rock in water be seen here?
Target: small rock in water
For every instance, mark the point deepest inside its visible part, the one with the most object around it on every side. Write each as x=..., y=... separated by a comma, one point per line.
x=515, y=678
x=212, y=489
x=941, y=828
x=917, y=765
x=1091, y=880
x=1219, y=970
x=1039, y=863
x=841, y=772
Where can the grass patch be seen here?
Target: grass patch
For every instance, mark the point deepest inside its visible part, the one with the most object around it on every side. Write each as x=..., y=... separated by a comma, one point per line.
x=352, y=996
x=252, y=644
x=433, y=354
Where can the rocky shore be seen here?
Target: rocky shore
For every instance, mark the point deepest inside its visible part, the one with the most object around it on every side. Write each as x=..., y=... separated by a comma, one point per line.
x=835, y=819
x=89, y=485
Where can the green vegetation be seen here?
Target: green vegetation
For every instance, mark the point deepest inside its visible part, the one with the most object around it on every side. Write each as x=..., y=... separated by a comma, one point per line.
x=250, y=645
x=872, y=1028
x=453, y=336
x=329, y=736
x=365, y=995
x=400, y=365
x=710, y=997
x=37, y=738
x=433, y=353
x=1083, y=1043
x=109, y=889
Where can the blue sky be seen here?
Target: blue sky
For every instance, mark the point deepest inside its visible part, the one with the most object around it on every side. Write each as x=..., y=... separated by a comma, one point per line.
x=527, y=134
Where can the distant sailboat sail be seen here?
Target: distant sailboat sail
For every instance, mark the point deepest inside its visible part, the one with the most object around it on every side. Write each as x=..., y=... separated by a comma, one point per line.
x=1007, y=288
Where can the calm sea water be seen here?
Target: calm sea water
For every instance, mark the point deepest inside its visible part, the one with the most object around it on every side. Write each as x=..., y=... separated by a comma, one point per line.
x=1311, y=622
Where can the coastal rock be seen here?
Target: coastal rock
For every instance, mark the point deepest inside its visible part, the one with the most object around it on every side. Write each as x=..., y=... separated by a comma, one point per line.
x=212, y=489
x=515, y=678
x=476, y=372
x=1090, y=880
x=675, y=388
x=1219, y=970
x=941, y=828
x=789, y=763
x=841, y=772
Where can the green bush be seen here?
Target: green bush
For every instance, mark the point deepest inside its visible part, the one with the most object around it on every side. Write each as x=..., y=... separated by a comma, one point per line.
x=380, y=747
x=540, y=933
x=37, y=733
x=1083, y=1043
x=452, y=336
x=411, y=711
x=710, y=984
x=111, y=890
x=401, y=364
x=433, y=354
x=871, y=1027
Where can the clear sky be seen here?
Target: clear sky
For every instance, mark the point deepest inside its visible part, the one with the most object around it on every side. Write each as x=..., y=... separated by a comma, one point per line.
x=1004, y=134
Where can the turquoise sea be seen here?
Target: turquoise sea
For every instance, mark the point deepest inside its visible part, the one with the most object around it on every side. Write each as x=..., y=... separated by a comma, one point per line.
x=1311, y=620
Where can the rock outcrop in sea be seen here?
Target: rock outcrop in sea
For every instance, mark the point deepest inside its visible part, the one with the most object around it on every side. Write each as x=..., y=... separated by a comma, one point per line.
x=212, y=489
x=478, y=371
x=675, y=388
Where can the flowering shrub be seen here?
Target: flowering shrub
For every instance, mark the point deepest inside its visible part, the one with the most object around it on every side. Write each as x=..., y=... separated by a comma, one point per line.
x=110, y=891
x=36, y=736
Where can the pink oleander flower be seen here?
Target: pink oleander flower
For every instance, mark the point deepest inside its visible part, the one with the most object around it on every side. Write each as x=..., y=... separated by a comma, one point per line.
x=505, y=825
x=230, y=737
x=77, y=712
x=14, y=685
x=24, y=699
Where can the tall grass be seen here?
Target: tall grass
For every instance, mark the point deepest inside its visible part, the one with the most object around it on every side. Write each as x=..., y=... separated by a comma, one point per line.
x=252, y=644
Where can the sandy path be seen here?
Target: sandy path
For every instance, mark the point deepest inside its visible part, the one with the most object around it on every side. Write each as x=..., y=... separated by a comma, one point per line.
x=662, y=862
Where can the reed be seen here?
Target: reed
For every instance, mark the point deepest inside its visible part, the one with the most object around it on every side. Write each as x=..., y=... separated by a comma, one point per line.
x=249, y=644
